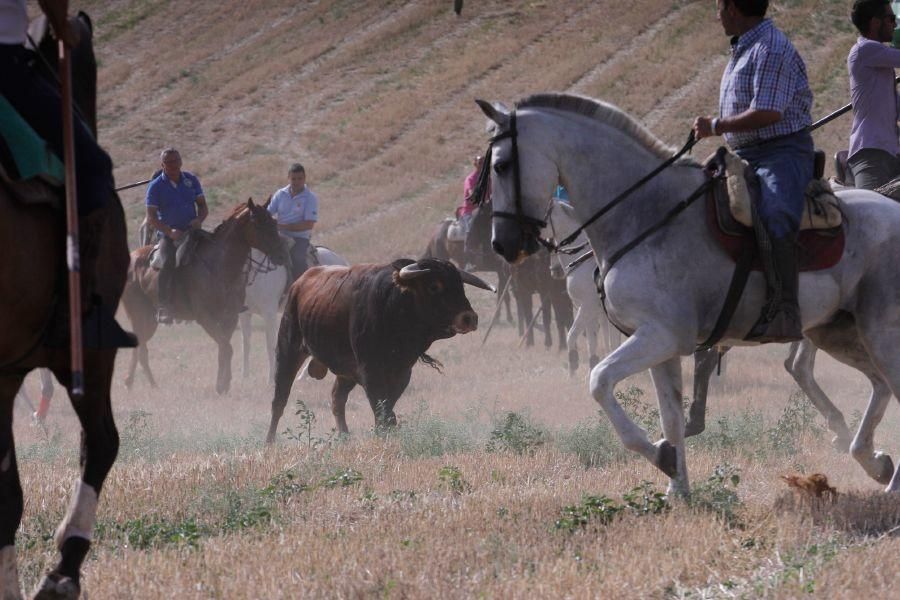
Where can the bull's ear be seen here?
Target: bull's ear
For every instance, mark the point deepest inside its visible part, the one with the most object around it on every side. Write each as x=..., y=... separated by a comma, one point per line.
x=495, y=112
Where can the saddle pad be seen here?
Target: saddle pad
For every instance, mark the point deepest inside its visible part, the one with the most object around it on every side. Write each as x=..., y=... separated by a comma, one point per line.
x=821, y=209
x=25, y=155
x=818, y=248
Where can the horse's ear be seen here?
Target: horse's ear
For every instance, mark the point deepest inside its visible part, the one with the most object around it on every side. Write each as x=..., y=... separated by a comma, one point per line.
x=250, y=203
x=495, y=112
x=268, y=202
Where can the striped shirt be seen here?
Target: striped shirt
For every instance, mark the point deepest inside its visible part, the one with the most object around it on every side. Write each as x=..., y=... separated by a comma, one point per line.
x=765, y=73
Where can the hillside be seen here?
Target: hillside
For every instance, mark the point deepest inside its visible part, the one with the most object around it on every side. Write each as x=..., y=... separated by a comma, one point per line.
x=376, y=98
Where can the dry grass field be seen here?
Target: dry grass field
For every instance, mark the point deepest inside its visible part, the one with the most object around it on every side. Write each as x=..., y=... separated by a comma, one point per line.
x=503, y=480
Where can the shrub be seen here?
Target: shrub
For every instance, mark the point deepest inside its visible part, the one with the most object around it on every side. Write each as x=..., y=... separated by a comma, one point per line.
x=594, y=443
x=516, y=434
x=451, y=478
x=718, y=494
x=426, y=435
x=640, y=501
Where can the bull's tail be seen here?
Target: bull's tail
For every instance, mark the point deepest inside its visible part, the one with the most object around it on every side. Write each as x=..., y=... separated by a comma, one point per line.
x=290, y=352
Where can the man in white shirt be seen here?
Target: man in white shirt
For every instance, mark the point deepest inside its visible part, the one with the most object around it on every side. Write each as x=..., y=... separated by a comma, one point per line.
x=296, y=209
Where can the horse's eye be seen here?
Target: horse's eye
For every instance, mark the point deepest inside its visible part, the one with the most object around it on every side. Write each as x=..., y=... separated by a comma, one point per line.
x=500, y=167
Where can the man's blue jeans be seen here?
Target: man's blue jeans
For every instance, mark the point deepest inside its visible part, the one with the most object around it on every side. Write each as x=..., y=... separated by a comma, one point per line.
x=785, y=168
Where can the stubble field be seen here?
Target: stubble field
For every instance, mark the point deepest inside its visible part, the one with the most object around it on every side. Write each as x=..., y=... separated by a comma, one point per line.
x=503, y=479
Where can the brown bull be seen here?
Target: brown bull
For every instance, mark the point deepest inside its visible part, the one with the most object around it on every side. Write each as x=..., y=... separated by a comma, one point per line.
x=369, y=324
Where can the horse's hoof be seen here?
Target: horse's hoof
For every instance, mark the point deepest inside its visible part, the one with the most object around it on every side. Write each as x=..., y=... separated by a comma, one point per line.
x=56, y=587
x=887, y=468
x=666, y=458
x=841, y=444
x=693, y=427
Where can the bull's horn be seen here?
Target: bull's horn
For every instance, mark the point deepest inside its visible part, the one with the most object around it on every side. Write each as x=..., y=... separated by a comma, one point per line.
x=476, y=281
x=411, y=272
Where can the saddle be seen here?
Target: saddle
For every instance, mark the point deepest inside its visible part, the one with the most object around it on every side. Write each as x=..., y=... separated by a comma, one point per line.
x=184, y=249
x=821, y=238
x=29, y=170
x=457, y=232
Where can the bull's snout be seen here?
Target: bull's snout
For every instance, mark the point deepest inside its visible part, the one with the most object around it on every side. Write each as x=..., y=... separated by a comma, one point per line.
x=465, y=322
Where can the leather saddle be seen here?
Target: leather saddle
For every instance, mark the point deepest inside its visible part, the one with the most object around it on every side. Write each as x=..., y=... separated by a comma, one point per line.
x=821, y=239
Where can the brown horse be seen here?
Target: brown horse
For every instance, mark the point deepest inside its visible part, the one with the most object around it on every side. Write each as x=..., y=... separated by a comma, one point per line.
x=209, y=289
x=32, y=290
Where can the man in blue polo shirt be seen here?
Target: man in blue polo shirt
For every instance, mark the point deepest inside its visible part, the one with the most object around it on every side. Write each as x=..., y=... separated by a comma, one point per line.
x=296, y=209
x=764, y=113
x=175, y=206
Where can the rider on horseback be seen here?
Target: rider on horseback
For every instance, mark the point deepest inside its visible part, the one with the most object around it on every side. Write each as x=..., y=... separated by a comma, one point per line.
x=296, y=209
x=175, y=207
x=37, y=100
x=764, y=112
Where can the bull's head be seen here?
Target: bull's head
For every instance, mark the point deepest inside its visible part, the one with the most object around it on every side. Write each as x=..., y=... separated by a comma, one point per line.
x=440, y=300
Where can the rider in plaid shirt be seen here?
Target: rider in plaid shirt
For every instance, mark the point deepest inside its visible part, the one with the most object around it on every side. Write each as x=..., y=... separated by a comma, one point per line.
x=764, y=112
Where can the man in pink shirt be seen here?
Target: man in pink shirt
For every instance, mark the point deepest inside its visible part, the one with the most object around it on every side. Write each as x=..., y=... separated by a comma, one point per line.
x=874, y=144
x=466, y=209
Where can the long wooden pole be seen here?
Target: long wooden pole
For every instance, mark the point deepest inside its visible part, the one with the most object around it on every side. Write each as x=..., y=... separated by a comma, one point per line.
x=500, y=300
x=73, y=258
x=831, y=117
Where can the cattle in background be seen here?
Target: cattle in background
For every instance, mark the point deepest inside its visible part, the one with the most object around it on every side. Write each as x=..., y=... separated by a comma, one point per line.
x=369, y=324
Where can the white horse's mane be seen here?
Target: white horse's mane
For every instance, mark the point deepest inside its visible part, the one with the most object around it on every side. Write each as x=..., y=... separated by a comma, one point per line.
x=602, y=112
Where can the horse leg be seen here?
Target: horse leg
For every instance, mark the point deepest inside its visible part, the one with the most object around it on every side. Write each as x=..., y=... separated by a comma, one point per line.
x=271, y=323
x=591, y=325
x=246, y=332
x=11, y=501
x=841, y=340
x=291, y=354
x=647, y=347
x=142, y=315
x=704, y=364
x=800, y=364
x=99, y=447
x=221, y=333
x=572, y=339
x=339, y=392
x=547, y=318
x=667, y=380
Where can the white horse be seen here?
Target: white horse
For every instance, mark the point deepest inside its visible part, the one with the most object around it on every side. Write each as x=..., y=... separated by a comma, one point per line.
x=580, y=286
x=266, y=283
x=666, y=290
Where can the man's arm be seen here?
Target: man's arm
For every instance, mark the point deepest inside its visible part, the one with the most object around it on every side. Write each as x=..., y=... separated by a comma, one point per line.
x=202, y=212
x=749, y=120
x=154, y=221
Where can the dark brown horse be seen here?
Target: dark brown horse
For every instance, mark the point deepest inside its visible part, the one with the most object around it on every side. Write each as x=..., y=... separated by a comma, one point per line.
x=32, y=290
x=531, y=277
x=209, y=289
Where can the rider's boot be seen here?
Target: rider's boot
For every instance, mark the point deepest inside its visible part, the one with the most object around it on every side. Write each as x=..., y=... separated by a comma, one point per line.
x=780, y=319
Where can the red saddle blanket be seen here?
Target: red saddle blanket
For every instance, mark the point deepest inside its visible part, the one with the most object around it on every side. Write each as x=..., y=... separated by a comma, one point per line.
x=818, y=248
